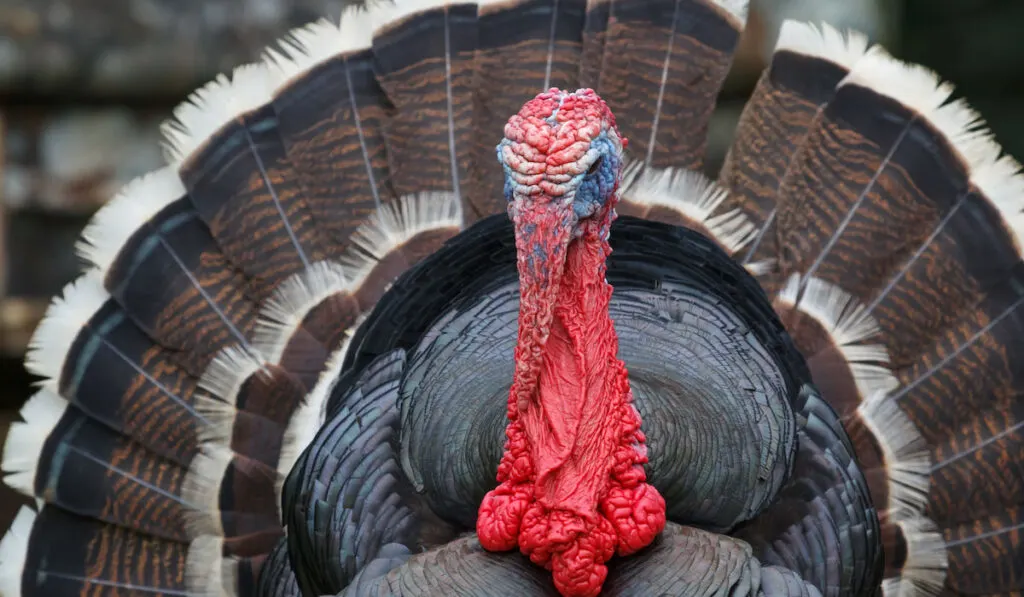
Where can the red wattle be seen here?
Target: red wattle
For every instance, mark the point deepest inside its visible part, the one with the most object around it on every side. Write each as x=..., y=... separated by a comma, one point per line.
x=573, y=490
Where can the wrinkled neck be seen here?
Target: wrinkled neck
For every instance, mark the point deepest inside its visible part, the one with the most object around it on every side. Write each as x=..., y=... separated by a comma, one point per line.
x=570, y=418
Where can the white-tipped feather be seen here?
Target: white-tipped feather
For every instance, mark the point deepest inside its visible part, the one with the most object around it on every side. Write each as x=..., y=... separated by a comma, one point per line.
x=201, y=489
x=825, y=41
x=924, y=570
x=66, y=316
x=220, y=417
x=691, y=194
x=214, y=105
x=760, y=268
x=134, y=205
x=492, y=6
x=396, y=223
x=24, y=443
x=1002, y=182
x=912, y=85
x=305, y=48
x=14, y=552
x=227, y=372
x=907, y=460
x=207, y=572
x=922, y=91
x=848, y=324
x=965, y=130
x=310, y=416
x=292, y=300
x=737, y=8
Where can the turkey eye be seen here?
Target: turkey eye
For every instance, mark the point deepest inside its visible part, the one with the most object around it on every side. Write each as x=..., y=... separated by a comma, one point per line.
x=595, y=166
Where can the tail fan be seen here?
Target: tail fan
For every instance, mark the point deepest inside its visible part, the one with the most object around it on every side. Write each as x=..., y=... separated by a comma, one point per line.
x=893, y=225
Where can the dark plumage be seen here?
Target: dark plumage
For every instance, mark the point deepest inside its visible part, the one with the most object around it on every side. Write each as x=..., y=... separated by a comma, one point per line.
x=287, y=370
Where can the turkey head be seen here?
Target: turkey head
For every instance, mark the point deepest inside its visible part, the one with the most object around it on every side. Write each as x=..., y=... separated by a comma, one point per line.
x=572, y=490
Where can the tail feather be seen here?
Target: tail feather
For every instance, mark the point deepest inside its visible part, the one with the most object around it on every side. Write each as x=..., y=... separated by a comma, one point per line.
x=241, y=182
x=87, y=351
x=917, y=562
x=662, y=66
x=884, y=208
x=985, y=554
x=964, y=396
x=423, y=57
x=967, y=253
x=684, y=198
x=983, y=454
x=900, y=203
x=396, y=237
x=942, y=386
x=595, y=25
x=836, y=335
x=316, y=304
x=807, y=66
x=331, y=115
x=159, y=261
x=84, y=556
x=86, y=468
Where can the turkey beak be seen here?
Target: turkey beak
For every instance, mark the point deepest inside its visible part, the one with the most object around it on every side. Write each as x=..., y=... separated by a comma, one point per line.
x=543, y=228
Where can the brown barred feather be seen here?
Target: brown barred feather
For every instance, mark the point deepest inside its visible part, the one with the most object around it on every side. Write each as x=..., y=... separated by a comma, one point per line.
x=984, y=555
x=428, y=78
x=663, y=65
x=800, y=80
x=160, y=262
x=113, y=372
x=86, y=557
x=331, y=113
x=245, y=190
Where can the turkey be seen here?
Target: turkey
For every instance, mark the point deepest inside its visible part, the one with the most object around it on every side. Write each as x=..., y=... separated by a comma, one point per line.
x=433, y=301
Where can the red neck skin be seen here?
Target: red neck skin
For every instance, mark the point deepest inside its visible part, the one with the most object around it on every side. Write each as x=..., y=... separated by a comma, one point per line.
x=572, y=490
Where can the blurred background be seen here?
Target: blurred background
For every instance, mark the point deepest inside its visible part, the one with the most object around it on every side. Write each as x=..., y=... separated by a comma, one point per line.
x=84, y=85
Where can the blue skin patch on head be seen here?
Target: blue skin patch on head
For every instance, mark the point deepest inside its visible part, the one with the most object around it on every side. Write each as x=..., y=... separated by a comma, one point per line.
x=597, y=184
x=509, y=186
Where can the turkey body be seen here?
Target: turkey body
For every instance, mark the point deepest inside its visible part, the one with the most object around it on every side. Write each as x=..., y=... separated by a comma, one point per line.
x=287, y=369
